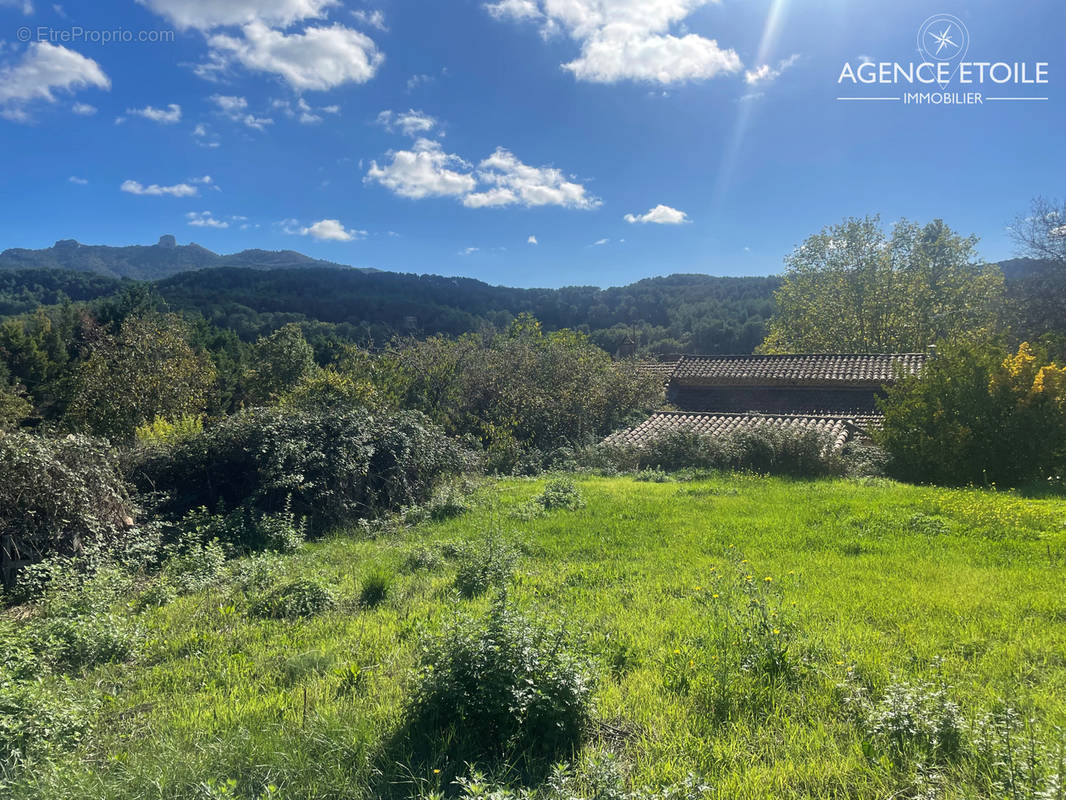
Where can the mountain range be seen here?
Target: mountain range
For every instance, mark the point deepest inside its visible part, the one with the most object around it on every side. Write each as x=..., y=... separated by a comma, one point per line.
x=152, y=262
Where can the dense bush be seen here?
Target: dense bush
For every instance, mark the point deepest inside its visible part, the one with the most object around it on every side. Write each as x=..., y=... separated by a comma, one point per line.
x=764, y=450
x=60, y=496
x=978, y=415
x=245, y=529
x=521, y=394
x=505, y=691
x=34, y=723
x=326, y=467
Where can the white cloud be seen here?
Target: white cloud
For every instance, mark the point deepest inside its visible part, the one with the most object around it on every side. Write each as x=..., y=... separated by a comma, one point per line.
x=203, y=136
x=236, y=109
x=514, y=9
x=208, y=14
x=44, y=69
x=764, y=73
x=25, y=6
x=375, y=19
x=83, y=109
x=600, y=242
x=203, y=219
x=314, y=60
x=660, y=215
x=331, y=230
x=466, y=251
x=164, y=116
x=418, y=80
x=177, y=190
x=532, y=240
x=513, y=182
x=499, y=180
x=304, y=111
x=77, y=180
x=626, y=39
x=411, y=123
x=424, y=171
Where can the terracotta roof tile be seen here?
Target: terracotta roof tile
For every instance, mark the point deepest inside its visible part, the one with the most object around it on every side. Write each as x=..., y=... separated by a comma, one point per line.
x=838, y=428
x=827, y=369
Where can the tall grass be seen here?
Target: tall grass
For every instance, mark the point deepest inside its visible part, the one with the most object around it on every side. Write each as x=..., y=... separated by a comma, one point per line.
x=744, y=638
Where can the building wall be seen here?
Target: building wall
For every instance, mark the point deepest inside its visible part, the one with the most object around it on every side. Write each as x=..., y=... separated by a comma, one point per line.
x=772, y=399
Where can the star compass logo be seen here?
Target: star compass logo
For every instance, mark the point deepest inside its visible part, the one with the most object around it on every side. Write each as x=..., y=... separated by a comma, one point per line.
x=943, y=61
x=944, y=38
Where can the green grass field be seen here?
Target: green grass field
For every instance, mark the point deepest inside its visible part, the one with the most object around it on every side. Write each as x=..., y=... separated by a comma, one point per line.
x=675, y=594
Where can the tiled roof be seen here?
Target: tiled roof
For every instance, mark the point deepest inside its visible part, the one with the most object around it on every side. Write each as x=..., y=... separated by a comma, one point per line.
x=838, y=428
x=664, y=369
x=828, y=369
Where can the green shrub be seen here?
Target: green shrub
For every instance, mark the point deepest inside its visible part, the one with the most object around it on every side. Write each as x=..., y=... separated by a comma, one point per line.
x=766, y=450
x=326, y=467
x=559, y=493
x=162, y=432
x=487, y=564
x=60, y=496
x=245, y=529
x=158, y=593
x=914, y=722
x=192, y=564
x=82, y=641
x=601, y=777
x=447, y=503
x=36, y=722
x=300, y=598
x=504, y=690
x=256, y=573
x=978, y=415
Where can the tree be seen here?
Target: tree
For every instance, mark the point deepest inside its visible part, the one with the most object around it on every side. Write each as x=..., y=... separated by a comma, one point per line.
x=13, y=406
x=853, y=289
x=521, y=389
x=280, y=361
x=977, y=414
x=1038, y=297
x=148, y=371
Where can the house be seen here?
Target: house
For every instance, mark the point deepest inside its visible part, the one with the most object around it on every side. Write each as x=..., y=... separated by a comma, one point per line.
x=833, y=393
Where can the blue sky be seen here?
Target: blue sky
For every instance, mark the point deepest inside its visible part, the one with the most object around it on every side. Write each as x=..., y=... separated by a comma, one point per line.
x=522, y=142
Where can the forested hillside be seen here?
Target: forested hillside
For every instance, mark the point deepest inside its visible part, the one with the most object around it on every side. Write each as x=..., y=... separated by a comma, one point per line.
x=679, y=313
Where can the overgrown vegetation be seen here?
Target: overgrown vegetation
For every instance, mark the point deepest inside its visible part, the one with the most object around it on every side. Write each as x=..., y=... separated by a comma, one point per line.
x=865, y=640
x=768, y=451
x=980, y=415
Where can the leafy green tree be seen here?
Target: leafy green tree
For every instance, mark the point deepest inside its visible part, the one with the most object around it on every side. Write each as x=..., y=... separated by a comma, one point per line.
x=521, y=390
x=977, y=414
x=147, y=372
x=13, y=405
x=279, y=362
x=852, y=288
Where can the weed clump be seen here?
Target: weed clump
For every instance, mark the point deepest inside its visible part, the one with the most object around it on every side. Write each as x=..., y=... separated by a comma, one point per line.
x=300, y=598
x=559, y=493
x=375, y=587
x=487, y=564
x=502, y=691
